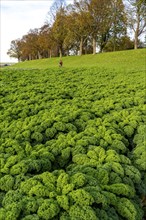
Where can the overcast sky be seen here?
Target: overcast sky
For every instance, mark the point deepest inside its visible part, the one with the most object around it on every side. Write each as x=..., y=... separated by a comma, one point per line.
x=17, y=18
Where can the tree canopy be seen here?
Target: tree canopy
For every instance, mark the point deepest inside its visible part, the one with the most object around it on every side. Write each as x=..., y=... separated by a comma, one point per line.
x=81, y=28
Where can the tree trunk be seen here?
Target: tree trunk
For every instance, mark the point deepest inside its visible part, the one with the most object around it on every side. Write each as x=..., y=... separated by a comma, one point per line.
x=49, y=53
x=39, y=55
x=136, y=33
x=60, y=52
x=19, y=58
x=29, y=57
x=135, y=41
x=86, y=46
x=137, y=29
x=67, y=52
x=94, y=45
x=81, y=47
x=114, y=42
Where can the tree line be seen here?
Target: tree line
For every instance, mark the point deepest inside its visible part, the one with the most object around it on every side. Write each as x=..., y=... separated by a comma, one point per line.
x=82, y=27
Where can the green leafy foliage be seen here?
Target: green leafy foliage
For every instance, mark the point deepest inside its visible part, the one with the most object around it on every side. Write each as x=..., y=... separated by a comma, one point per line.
x=48, y=209
x=72, y=145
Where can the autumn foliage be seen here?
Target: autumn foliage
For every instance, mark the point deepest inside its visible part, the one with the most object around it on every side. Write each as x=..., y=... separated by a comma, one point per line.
x=79, y=28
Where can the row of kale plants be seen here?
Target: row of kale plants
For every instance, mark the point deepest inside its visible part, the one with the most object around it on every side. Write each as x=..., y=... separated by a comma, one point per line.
x=72, y=145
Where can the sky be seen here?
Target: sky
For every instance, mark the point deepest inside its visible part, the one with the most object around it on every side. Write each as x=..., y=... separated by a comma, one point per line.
x=17, y=17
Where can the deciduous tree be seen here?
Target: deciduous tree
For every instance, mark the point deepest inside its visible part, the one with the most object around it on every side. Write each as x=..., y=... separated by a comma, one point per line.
x=136, y=11
x=15, y=49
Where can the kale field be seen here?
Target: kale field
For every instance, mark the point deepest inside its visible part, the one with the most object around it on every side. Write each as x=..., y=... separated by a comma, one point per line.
x=72, y=144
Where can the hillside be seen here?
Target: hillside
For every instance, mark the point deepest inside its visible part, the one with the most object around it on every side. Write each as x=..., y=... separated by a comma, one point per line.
x=129, y=60
x=72, y=139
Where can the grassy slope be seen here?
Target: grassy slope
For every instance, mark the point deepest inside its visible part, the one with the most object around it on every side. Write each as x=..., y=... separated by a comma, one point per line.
x=123, y=60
